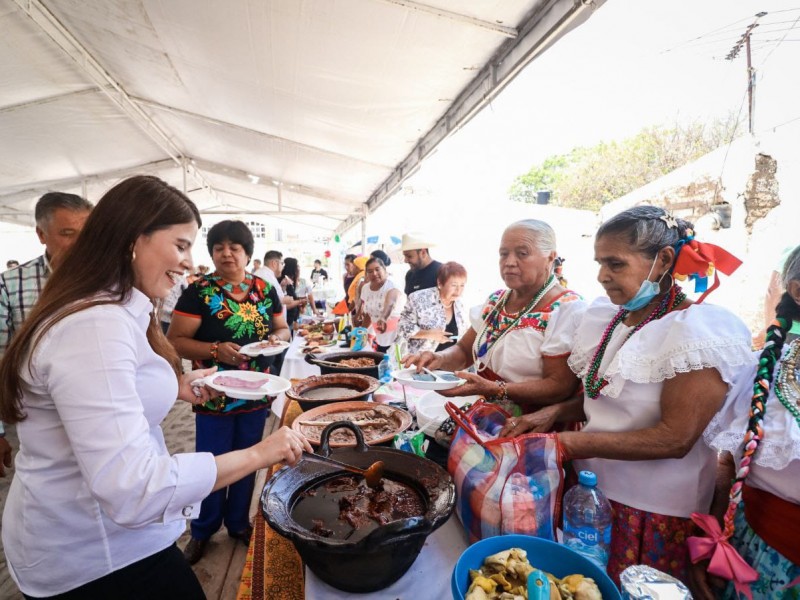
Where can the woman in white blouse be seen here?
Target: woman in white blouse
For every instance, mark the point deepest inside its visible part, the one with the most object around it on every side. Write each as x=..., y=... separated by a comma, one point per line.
x=97, y=502
x=656, y=368
x=433, y=317
x=521, y=337
x=379, y=303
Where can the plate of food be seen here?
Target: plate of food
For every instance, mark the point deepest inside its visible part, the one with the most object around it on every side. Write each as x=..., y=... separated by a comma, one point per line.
x=378, y=422
x=434, y=380
x=264, y=348
x=246, y=385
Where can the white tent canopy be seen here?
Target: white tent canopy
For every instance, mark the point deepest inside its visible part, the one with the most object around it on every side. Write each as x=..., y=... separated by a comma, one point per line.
x=305, y=110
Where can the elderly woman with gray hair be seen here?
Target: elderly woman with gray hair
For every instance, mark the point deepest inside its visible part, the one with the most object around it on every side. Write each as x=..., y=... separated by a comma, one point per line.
x=521, y=338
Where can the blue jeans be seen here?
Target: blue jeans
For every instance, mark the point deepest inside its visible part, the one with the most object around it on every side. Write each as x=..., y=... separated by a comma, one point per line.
x=219, y=434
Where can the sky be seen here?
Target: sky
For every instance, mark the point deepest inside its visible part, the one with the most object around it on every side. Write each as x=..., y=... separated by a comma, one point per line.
x=633, y=64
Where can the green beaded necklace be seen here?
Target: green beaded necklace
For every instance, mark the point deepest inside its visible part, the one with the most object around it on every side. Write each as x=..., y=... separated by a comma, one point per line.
x=594, y=384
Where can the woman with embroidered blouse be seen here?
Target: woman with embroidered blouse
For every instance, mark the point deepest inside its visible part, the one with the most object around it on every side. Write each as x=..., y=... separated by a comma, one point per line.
x=433, y=317
x=214, y=318
x=656, y=367
x=520, y=340
x=758, y=436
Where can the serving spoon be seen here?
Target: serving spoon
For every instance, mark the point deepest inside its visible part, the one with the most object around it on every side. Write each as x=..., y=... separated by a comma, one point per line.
x=372, y=474
x=435, y=376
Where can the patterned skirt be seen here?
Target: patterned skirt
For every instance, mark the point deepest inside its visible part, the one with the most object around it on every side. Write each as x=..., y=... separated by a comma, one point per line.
x=644, y=538
x=775, y=571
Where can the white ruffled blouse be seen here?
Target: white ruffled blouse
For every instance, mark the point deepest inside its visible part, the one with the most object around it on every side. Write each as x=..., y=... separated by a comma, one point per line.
x=776, y=466
x=701, y=336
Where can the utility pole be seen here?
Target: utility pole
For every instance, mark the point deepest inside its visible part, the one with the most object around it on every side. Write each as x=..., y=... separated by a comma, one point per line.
x=751, y=72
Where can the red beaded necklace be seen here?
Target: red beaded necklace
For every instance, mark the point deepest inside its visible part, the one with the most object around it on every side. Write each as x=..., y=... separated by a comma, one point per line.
x=593, y=384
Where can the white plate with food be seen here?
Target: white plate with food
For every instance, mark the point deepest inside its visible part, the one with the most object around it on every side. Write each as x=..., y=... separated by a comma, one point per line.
x=264, y=348
x=247, y=385
x=444, y=380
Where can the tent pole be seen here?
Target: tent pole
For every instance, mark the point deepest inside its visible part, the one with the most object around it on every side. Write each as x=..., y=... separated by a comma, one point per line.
x=184, y=170
x=364, y=233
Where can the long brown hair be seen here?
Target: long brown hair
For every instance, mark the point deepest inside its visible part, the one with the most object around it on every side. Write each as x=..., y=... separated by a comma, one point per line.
x=100, y=261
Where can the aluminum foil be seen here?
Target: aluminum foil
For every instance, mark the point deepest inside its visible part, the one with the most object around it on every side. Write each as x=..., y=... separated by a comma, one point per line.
x=641, y=582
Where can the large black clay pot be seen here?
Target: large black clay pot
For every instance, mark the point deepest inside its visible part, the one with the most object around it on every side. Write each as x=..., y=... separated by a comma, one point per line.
x=382, y=557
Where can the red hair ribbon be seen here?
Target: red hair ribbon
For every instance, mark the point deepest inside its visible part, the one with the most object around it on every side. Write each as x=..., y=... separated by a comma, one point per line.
x=725, y=560
x=699, y=261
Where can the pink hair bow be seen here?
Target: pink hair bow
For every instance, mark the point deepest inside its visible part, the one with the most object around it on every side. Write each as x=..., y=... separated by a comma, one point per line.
x=725, y=560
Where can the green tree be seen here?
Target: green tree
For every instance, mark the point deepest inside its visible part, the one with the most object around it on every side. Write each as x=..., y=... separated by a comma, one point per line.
x=588, y=178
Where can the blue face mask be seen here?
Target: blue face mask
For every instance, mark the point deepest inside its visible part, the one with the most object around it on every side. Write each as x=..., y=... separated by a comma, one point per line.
x=647, y=291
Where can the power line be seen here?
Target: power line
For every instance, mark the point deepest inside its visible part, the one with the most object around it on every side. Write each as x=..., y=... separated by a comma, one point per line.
x=780, y=42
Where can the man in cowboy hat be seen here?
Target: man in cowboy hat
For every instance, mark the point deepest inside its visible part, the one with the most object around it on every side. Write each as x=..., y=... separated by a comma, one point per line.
x=422, y=269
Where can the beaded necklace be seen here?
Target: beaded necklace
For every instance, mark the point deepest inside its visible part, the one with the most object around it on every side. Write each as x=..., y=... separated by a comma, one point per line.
x=593, y=383
x=787, y=389
x=228, y=287
x=486, y=345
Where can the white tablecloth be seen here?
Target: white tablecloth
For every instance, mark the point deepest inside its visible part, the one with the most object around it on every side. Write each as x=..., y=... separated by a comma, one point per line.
x=296, y=367
x=428, y=577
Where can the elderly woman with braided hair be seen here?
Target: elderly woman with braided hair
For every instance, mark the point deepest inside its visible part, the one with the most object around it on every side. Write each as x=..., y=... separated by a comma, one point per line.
x=759, y=429
x=656, y=369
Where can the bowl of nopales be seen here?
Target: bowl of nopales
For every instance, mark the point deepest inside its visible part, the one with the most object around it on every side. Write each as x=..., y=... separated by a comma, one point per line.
x=497, y=568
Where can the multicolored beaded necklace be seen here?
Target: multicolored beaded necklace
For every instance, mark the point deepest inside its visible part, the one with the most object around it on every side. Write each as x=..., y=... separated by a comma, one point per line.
x=228, y=287
x=786, y=388
x=593, y=383
x=485, y=345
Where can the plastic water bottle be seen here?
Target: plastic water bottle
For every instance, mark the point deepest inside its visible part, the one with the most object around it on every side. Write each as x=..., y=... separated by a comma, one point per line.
x=385, y=369
x=587, y=520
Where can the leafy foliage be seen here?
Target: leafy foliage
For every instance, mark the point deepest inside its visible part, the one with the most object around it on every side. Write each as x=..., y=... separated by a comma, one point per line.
x=588, y=178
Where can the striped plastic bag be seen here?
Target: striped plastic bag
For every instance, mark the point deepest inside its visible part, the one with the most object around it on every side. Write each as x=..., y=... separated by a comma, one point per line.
x=505, y=485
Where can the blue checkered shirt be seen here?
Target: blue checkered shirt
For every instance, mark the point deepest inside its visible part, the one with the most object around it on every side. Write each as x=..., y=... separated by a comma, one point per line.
x=19, y=290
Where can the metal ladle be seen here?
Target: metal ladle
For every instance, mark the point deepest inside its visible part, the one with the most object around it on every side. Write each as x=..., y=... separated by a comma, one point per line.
x=372, y=474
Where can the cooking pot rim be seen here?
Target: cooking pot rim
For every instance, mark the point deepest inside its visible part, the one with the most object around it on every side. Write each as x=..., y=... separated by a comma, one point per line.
x=401, y=529
x=435, y=515
x=371, y=384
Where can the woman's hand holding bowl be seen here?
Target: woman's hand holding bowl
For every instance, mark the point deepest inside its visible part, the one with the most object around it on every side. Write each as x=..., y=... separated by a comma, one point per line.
x=475, y=386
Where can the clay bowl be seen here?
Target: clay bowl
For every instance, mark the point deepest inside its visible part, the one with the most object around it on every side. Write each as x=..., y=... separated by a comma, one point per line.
x=338, y=411
x=320, y=390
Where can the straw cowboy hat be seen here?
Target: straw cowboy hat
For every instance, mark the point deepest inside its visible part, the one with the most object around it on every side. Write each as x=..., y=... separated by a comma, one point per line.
x=416, y=241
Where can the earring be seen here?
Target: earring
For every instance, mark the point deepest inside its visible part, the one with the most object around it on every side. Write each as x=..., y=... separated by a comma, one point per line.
x=133, y=255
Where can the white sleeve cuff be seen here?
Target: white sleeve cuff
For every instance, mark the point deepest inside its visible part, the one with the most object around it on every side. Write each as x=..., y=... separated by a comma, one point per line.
x=197, y=473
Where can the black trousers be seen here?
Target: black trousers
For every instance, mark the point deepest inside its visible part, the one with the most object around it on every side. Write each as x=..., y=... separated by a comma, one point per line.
x=165, y=574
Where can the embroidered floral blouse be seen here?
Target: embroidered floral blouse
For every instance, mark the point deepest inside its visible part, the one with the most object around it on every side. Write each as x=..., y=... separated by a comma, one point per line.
x=224, y=319
x=424, y=311
x=517, y=355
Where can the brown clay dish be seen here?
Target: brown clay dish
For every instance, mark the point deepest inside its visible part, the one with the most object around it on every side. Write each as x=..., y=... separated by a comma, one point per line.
x=318, y=390
x=379, y=422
